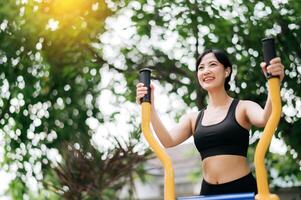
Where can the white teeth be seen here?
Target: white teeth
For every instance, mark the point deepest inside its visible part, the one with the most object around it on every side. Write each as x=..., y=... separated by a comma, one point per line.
x=208, y=79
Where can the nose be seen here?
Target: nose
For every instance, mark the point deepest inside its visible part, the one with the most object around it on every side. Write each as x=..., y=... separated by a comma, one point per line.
x=206, y=70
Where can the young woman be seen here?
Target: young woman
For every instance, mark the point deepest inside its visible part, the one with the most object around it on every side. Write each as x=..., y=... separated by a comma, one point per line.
x=220, y=130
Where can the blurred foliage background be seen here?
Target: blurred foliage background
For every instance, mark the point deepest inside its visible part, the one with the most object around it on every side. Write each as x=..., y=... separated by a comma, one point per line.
x=68, y=69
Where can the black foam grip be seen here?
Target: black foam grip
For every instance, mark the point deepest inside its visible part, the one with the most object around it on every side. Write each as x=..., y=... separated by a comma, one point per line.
x=269, y=51
x=145, y=75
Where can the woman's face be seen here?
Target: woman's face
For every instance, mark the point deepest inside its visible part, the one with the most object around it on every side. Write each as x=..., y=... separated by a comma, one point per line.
x=211, y=73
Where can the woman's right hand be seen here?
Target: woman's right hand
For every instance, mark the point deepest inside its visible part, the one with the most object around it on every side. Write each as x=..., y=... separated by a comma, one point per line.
x=141, y=90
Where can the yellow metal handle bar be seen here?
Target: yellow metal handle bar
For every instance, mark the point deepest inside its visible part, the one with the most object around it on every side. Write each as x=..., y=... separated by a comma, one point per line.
x=264, y=142
x=169, y=185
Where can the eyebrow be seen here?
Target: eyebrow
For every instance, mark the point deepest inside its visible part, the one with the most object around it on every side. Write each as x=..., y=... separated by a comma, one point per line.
x=209, y=62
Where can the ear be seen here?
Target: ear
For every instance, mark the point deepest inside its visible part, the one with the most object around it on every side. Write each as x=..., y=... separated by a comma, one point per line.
x=228, y=71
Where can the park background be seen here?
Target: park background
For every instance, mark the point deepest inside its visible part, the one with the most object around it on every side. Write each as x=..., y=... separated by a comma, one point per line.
x=69, y=125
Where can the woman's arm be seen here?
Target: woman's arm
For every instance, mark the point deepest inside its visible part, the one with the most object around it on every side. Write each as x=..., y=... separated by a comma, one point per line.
x=178, y=134
x=255, y=114
x=170, y=138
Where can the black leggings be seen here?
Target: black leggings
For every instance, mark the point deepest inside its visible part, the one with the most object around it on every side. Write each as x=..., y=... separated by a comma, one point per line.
x=242, y=185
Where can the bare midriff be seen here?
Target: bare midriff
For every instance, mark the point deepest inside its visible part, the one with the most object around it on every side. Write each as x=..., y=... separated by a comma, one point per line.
x=224, y=168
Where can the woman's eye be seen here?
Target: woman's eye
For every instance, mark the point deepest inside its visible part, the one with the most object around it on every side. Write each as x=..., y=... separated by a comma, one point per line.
x=213, y=64
x=201, y=68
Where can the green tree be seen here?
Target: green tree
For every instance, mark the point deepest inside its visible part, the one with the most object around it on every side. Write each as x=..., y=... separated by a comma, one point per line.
x=49, y=84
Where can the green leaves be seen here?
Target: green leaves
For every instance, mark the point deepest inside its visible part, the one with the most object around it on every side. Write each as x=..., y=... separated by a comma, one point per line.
x=50, y=81
x=236, y=27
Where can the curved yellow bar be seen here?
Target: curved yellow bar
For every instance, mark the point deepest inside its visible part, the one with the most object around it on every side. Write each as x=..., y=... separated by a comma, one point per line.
x=264, y=142
x=169, y=189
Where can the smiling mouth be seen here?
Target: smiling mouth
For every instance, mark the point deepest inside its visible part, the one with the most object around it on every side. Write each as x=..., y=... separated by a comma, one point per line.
x=208, y=79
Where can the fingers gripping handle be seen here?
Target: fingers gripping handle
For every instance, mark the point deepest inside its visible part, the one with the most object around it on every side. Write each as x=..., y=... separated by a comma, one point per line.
x=145, y=75
x=269, y=52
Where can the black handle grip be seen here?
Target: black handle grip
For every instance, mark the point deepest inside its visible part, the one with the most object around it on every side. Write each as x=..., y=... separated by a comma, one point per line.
x=269, y=52
x=145, y=75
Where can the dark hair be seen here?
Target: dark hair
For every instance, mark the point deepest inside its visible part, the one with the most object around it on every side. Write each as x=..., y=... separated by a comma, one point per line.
x=222, y=57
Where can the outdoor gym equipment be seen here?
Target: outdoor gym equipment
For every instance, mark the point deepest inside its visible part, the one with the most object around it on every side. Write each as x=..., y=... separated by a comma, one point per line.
x=261, y=149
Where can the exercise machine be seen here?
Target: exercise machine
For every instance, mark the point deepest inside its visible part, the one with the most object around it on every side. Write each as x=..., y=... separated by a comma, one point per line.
x=260, y=152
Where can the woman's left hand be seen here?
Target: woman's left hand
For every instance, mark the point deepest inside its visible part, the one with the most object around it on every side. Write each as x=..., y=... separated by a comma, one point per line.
x=275, y=68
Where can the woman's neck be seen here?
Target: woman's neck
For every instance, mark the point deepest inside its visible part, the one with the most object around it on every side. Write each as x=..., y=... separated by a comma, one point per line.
x=218, y=98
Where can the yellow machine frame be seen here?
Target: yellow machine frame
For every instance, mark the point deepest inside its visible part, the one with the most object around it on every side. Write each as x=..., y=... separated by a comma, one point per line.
x=261, y=149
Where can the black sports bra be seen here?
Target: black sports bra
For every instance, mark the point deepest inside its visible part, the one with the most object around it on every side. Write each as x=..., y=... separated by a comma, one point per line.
x=225, y=137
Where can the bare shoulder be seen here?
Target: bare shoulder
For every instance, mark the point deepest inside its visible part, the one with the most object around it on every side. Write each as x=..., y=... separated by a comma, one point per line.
x=249, y=108
x=254, y=113
x=193, y=116
x=248, y=104
x=190, y=116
